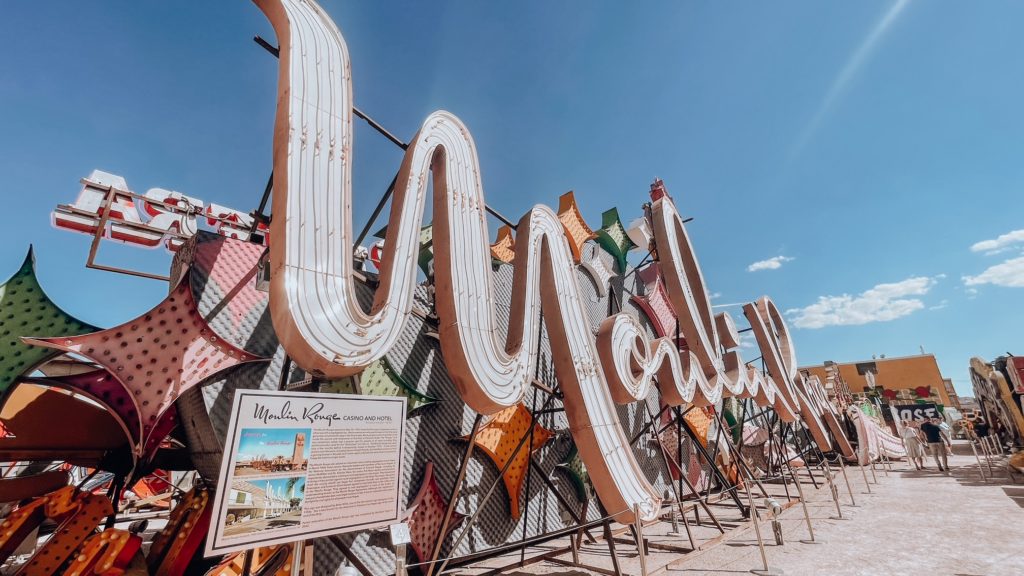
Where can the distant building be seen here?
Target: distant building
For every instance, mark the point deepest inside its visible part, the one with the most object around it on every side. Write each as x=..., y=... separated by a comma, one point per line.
x=247, y=500
x=968, y=405
x=954, y=398
x=298, y=461
x=903, y=380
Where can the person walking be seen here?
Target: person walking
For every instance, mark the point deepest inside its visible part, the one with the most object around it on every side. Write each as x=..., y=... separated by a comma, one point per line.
x=936, y=443
x=912, y=440
x=947, y=435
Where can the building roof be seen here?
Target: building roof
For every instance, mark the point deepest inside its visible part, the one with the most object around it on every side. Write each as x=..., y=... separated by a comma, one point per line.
x=899, y=373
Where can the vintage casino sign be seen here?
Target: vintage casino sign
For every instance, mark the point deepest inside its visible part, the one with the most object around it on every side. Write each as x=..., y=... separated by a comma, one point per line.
x=157, y=217
x=333, y=336
x=917, y=411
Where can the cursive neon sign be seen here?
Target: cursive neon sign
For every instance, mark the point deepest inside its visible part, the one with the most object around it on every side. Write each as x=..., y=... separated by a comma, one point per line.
x=324, y=328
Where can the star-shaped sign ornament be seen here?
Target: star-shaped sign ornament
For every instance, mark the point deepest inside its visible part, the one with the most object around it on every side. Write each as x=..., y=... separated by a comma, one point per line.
x=157, y=356
x=500, y=436
x=25, y=310
x=425, y=515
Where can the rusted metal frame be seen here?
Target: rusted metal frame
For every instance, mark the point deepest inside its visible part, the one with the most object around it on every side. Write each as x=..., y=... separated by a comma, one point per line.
x=286, y=368
x=683, y=425
x=738, y=457
x=529, y=468
x=801, y=453
x=647, y=427
x=98, y=236
x=558, y=495
x=106, y=218
x=552, y=395
x=349, y=555
x=114, y=494
x=714, y=454
x=643, y=261
x=490, y=491
x=578, y=537
x=777, y=444
x=611, y=548
x=529, y=451
x=596, y=569
x=247, y=562
x=276, y=52
x=491, y=552
x=259, y=216
x=453, y=496
x=668, y=472
x=813, y=448
x=376, y=211
x=773, y=447
x=732, y=489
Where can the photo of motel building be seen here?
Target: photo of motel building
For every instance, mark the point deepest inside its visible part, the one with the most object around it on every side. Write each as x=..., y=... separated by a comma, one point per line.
x=247, y=500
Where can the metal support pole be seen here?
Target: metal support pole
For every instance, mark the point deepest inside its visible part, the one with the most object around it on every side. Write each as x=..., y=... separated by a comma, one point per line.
x=755, y=518
x=639, y=525
x=865, y=474
x=835, y=491
x=988, y=458
x=846, y=478
x=454, y=496
x=807, y=513
x=529, y=477
x=611, y=547
x=714, y=470
x=981, y=469
x=873, y=475
x=400, y=560
x=247, y=563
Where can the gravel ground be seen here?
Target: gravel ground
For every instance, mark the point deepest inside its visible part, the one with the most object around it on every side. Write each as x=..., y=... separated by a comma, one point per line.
x=913, y=522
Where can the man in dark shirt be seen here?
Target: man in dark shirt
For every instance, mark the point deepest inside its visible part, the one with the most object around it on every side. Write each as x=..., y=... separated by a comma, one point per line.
x=936, y=443
x=980, y=428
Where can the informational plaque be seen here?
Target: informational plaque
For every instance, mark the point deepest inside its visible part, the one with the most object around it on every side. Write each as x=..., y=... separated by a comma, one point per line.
x=303, y=465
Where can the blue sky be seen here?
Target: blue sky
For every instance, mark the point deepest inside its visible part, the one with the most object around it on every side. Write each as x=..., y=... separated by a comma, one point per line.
x=866, y=146
x=270, y=442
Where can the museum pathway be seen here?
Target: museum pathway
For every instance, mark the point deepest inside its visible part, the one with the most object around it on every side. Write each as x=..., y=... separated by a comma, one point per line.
x=912, y=522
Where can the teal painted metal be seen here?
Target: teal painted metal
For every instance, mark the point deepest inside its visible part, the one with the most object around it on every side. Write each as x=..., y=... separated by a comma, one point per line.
x=25, y=310
x=613, y=238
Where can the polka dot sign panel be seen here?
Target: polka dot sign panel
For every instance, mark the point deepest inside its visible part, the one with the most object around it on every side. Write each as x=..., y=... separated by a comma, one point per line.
x=500, y=436
x=157, y=356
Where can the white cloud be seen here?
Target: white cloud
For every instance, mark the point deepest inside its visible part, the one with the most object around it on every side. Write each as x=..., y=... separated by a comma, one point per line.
x=747, y=342
x=1001, y=244
x=714, y=295
x=1009, y=273
x=940, y=305
x=881, y=303
x=769, y=264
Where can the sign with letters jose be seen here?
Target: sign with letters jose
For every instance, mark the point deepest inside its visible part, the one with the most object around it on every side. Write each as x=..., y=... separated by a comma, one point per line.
x=303, y=465
x=917, y=411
